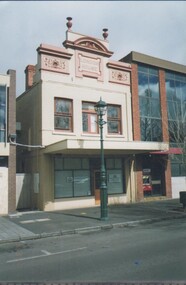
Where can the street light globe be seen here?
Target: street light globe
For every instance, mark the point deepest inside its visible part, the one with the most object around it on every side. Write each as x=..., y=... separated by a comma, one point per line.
x=100, y=108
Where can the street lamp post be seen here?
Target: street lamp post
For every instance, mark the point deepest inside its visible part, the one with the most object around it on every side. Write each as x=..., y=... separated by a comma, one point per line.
x=101, y=108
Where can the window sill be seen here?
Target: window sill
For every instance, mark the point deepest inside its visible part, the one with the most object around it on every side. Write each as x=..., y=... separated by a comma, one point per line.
x=63, y=133
x=90, y=135
x=115, y=136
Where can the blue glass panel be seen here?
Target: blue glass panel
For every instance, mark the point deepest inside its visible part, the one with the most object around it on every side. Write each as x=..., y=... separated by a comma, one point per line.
x=178, y=90
x=154, y=86
x=170, y=91
x=145, y=124
x=174, y=110
x=153, y=71
x=142, y=84
x=156, y=130
x=155, y=108
x=180, y=77
x=142, y=68
x=145, y=106
x=169, y=75
x=183, y=91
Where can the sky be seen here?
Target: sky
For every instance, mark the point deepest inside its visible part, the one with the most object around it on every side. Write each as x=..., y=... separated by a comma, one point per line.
x=155, y=28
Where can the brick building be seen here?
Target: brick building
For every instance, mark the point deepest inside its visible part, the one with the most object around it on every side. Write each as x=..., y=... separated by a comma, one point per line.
x=159, y=114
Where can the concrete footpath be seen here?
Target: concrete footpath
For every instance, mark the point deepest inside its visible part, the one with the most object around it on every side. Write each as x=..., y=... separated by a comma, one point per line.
x=27, y=225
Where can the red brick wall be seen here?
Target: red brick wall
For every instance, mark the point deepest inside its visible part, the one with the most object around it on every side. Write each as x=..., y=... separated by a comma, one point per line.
x=168, y=186
x=12, y=130
x=29, y=72
x=163, y=102
x=135, y=104
x=139, y=178
x=168, y=179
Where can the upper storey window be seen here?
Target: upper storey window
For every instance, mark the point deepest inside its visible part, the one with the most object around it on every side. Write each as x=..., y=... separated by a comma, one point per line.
x=176, y=106
x=114, y=119
x=89, y=118
x=149, y=102
x=63, y=114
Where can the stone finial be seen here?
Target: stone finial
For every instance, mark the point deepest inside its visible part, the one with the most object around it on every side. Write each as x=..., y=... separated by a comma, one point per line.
x=69, y=23
x=105, y=33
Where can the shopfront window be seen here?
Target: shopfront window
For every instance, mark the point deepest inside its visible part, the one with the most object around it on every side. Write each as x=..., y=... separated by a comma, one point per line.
x=115, y=178
x=72, y=177
x=63, y=114
x=114, y=181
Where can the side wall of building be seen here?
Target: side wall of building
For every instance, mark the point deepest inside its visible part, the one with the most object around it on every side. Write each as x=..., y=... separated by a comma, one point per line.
x=12, y=130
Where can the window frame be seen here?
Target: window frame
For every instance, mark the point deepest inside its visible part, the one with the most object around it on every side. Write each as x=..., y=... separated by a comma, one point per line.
x=115, y=119
x=68, y=115
x=89, y=113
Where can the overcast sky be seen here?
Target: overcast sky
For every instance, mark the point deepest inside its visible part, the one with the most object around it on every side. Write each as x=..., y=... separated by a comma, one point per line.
x=156, y=28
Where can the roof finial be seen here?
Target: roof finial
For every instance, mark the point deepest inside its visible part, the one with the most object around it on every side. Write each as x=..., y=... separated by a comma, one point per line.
x=69, y=23
x=105, y=34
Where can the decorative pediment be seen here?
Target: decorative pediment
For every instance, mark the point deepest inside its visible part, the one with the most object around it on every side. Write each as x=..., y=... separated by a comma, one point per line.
x=91, y=43
x=88, y=44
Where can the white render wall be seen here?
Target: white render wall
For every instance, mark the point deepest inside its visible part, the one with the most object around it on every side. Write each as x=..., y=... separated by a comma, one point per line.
x=178, y=185
x=120, y=95
x=3, y=190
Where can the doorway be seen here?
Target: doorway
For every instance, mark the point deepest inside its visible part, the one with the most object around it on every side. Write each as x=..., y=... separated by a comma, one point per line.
x=97, y=186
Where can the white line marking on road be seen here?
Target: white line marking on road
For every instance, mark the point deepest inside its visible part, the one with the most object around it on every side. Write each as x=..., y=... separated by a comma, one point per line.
x=34, y=221
x=27, y=222
x=42, y=220
x=46, y=254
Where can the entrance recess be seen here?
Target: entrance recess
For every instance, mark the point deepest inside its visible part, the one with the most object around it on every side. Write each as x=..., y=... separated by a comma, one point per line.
x=97, y=187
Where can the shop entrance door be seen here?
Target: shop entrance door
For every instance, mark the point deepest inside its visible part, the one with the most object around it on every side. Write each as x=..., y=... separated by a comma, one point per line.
x=97, y=186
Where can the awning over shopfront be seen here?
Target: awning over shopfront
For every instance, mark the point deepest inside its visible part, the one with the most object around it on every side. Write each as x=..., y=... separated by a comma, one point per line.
x=92, y=146
x=172, y=150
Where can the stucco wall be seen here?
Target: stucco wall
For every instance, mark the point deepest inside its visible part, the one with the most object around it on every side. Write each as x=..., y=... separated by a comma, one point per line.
x=3, y=191
x=178, y=184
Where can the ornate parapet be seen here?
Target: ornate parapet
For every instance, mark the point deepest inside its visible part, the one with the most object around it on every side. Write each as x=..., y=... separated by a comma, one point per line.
x=119, y=73
x=53, y=59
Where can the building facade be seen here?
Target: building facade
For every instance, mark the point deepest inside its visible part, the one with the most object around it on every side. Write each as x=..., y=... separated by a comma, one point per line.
x=7, y=151
x=59, y=127
x=159, y=113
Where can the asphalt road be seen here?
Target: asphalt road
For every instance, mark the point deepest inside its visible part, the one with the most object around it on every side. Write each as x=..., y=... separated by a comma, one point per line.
x=153, y=252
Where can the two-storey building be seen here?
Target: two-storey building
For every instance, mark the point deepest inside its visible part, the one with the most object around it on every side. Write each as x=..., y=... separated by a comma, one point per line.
x=159, y=114
x=57, y=112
